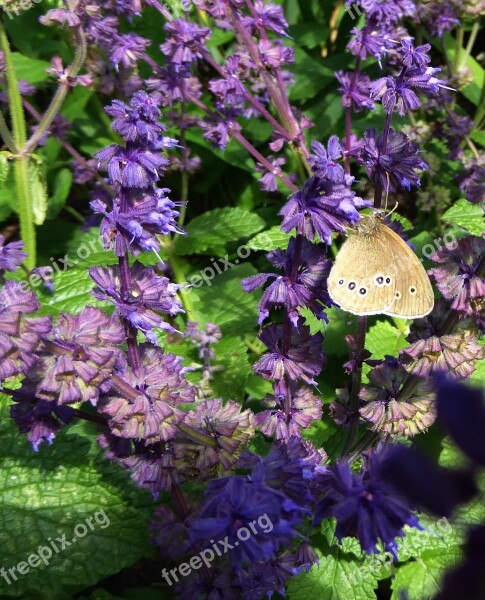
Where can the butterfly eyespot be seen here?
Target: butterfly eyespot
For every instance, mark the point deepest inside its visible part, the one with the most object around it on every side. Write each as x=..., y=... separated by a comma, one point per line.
x=341, y=281
x=379, y=280
x=352, y=285
x=388, y=280
x=362, y=291
x=412, y=290
x=398, y=295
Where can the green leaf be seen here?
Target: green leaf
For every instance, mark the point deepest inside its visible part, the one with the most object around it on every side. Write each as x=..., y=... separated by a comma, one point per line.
x=62, y=187
x=467, y=215
x=88, y=250
x=270, y=240
x=68, y=489
x=383, y=338
x=29, y=69
x=39, y=193
x=224, y=302
x=437, y=534
x=216, y=228
x=232, y=357
x=340, y=576
x=421, y=578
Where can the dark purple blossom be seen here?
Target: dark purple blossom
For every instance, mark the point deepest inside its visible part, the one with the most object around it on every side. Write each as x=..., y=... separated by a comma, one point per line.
x=411, y=56
x=324, y=161
x=233, y=503
x=139, y=120
x=127, y=49
x=149, y=214
x=39, y=419
x=355, y=89
x=367, y=42
x=12, y=255
x=321, y=207
x=269, y=180
x=396, y=165
x=475, y=187
x=364, y=506
x=217, y=128
x=270, y=17
x=184, y=43
x=149, y=297
x=301, y=285
x=302, y=360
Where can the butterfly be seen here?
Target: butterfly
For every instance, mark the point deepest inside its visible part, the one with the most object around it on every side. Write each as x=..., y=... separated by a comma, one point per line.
x=376, y=272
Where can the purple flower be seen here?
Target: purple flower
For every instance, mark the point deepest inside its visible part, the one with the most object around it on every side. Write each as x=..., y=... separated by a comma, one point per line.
x=302, y=360
x=232, y=503
x=432, y=349
x=185, y=41
x=217, y=128
x=60, y=16
x=355, y=88
x=142, y=405
x=364, y=506
x=172, y=84
x=225, y=423
x=384, y=409
x=413, y=57
x=12, y=255
x=127, y=49
x=138, y=121
x=269, y=16
x=218, y=584
x=321, y=207
x=275, y=54
x=324, y=160
x=458, y=277
x=151, y=213
x=132, y=167
x=268, y=181
x=302, y=285
x=149, y=296
x=39, y=419
x=402, y=93
x=367, y=42
x=305, y=408
x=20, y=337
x=78, y=357
x=395, y=166
x=475, y=188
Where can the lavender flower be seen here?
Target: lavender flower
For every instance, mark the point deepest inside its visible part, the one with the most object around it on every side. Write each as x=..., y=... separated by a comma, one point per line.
x=302, y=285
x=143, y=405
x=364, y=506
x=460, y=275
x=475, y=188
x=78, y=357
x=184, y=42
x=355, y=89
x=367, y=42
x=303, y=359
x=20, y=337
x=384, y=409
x=394, y=166
x=127, y=49
x=12, y=255
x=149, y=296
x=321, y=207
x=305, y=408
x=324, y=160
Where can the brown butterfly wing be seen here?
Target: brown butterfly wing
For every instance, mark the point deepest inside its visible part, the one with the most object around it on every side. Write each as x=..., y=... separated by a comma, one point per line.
x=363, y=278
x=413, y=293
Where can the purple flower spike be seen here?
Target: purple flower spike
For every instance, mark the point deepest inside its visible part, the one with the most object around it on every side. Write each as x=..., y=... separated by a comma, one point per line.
x=294, y=290
x=78, y=357
x=149, y=296
x=142, y=405
x=321, y=207
x=324, y=160
x=365, y=507
x=12, y=255
x=184, y=42
x=355, y=89
x=303, y=360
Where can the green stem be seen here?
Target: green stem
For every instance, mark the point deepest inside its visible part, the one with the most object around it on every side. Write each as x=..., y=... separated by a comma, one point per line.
x=21, y=167
x=180, y=279
x=471, y=42
x=6, y=135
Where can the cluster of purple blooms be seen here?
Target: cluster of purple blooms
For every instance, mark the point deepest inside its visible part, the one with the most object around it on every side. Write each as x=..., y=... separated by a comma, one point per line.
x=163, y=430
